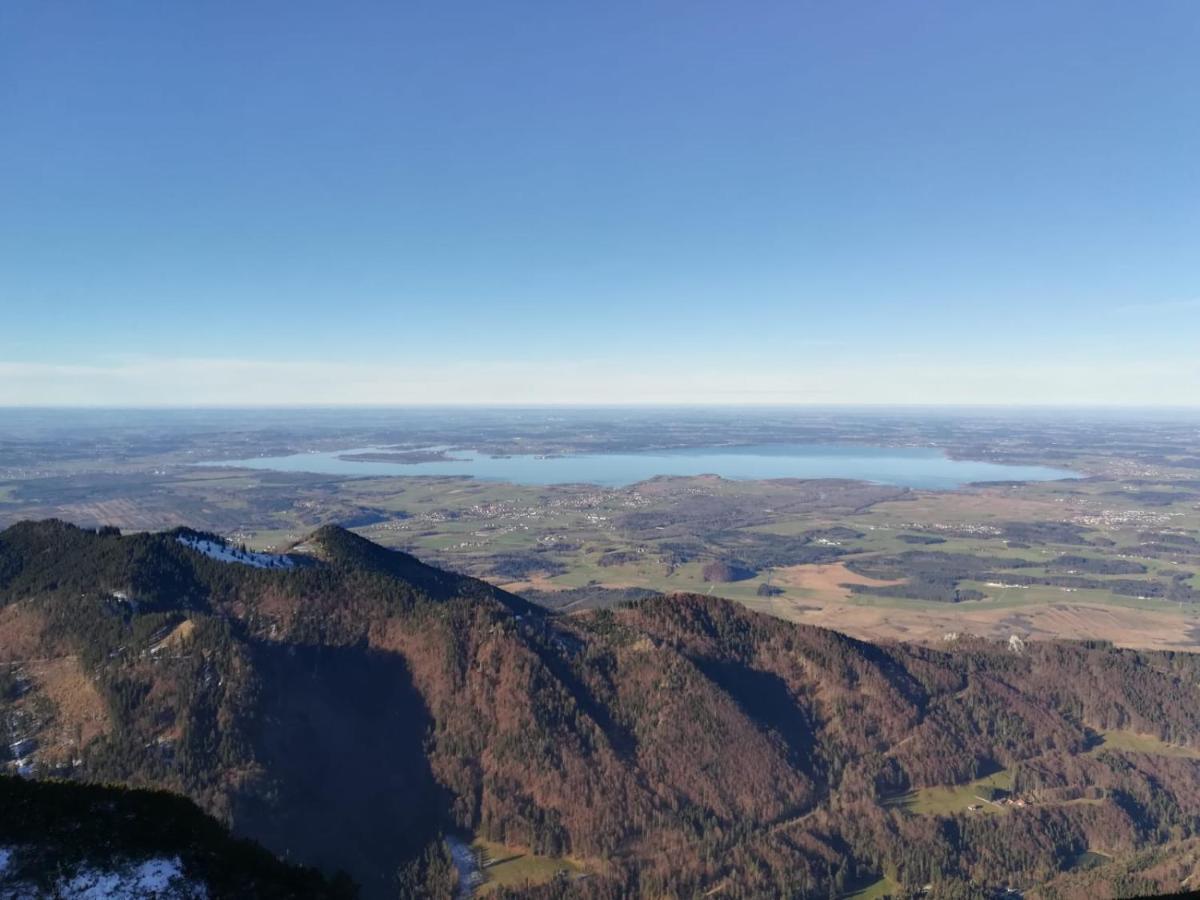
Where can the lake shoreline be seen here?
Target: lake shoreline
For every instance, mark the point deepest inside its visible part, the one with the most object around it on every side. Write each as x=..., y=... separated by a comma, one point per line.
x=913, y=467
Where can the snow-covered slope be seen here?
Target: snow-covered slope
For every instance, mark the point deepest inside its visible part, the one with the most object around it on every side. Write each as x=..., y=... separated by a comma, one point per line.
x=225, y=553
x=159, y=877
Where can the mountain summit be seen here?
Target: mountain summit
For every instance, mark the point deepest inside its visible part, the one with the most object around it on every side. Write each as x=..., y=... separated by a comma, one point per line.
x=351, y=709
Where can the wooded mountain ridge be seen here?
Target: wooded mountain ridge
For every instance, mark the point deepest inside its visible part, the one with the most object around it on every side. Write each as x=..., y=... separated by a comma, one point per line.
x=349, y=706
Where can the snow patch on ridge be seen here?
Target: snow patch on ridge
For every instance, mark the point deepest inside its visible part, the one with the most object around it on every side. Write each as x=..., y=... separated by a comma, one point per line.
x=159, y=877
x=223, y=552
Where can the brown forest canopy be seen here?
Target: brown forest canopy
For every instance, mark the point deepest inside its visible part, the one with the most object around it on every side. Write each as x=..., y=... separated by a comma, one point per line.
x=355, y=706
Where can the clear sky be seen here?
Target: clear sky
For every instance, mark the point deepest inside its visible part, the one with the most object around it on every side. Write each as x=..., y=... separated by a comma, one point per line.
x=767, y=202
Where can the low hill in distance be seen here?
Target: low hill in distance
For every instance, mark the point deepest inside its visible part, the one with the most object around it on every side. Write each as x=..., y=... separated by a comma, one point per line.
x=354, y=710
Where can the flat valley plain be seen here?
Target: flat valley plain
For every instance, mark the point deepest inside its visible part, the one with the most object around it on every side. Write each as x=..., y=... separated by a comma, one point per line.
x=1111, y=556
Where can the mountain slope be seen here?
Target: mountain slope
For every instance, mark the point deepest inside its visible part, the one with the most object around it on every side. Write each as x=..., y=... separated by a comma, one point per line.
x=59, y=839
x=350, y=707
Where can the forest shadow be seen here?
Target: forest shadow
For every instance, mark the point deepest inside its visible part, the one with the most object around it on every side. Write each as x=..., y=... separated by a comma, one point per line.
x=342, y=731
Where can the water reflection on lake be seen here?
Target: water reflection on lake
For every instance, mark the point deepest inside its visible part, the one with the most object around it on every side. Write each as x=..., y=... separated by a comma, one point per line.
x=917, y=467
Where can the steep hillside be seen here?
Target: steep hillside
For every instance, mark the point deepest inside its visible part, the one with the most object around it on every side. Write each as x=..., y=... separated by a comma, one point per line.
x=348, y=706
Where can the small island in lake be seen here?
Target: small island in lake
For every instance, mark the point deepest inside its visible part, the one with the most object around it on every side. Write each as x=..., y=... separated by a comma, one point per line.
x=404, y=457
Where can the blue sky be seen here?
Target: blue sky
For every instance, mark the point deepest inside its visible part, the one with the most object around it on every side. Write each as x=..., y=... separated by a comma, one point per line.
x=401, y=202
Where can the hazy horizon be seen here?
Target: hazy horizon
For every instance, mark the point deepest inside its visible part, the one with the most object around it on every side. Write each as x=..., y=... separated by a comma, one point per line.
x=217, y=383
x=952, y=410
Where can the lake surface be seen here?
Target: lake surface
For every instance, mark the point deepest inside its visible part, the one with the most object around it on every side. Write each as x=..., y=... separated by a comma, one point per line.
x=917, y=467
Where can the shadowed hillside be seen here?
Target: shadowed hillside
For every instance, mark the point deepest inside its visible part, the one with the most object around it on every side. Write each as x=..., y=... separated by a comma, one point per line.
x=53, y=834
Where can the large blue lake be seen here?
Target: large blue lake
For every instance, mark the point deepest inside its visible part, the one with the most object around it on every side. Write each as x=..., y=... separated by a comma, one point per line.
x=918, y=467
